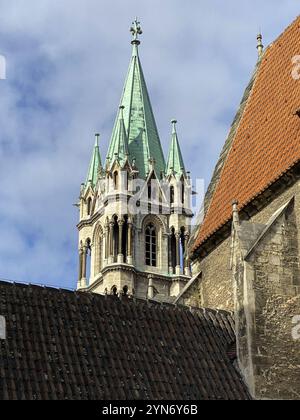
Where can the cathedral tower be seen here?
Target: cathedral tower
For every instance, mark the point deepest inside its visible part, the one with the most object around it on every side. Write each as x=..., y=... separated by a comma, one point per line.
x=135, y=212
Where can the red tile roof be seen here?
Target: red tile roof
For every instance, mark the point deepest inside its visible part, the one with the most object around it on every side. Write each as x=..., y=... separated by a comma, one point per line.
x=267, y=141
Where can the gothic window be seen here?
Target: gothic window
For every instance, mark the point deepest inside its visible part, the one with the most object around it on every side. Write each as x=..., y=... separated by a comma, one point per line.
x=98, y=250
x=173, y=250
x=182, y=191
x=182, y=247
x=124, y=237
x=149, y=191
x=88, y=243
x=89, y=206
x=151, y=245
x=116, y=236
x=127, y=181
x=172, y=194
x=116, y=180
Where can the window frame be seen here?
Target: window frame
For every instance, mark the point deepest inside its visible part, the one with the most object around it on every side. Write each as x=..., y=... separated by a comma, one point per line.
x=151, y=245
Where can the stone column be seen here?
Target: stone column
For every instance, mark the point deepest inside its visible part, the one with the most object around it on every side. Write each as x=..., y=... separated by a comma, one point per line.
x=171, y=270
x=106, y=243
x=187, y=269
x=129, y=244
x=150, y=294
x=178, y=268
x=80, y=268
x=120, y=255
x=84, y=255
x=111, y=243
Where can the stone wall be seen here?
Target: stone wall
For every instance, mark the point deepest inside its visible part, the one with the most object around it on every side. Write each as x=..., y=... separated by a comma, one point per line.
x=216, y=289
x=267, y=299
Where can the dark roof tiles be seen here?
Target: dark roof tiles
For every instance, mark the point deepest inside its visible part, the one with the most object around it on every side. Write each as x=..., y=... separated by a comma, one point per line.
x=68, y=345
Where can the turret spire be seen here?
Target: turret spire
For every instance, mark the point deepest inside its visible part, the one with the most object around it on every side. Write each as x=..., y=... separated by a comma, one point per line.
x=119, y=143
x=175, y=161
x=142, y=134
x=95, y=164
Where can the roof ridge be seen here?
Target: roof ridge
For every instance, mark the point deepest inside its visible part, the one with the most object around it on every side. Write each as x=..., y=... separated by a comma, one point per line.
x=132, y=299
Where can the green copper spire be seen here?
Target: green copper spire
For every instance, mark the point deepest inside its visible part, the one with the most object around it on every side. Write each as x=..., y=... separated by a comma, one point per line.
x=119, y=142
x=175, y=161
x=143, y=139
x=95, y=164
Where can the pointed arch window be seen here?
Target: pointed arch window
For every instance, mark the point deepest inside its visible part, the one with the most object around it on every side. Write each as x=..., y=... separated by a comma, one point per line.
x=172, y=194
x=182, y=191
x=116, y=180
x=151, y=245
x=89, y=206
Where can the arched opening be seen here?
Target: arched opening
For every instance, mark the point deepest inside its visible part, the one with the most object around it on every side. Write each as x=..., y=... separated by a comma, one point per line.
x=114, y=290
x=152, y=188
x=124, y=238
x=125, y=290
x=182, y=191
x=173, y=250
x=88, y=259
x=115, y=237
x=151, y=245
x=127, y=181
x=98, y=252
x=182, y=247
x=89, y=206
x=172, y=194
x=116, y=180
x=149, y=191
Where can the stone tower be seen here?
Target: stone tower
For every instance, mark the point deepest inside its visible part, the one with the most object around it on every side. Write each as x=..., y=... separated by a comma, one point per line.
x=135, y=209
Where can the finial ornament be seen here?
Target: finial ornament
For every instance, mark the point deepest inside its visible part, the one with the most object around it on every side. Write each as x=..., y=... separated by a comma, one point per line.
x=260, y=47
x=136, y=30
x=174, y=122
x=122, y=107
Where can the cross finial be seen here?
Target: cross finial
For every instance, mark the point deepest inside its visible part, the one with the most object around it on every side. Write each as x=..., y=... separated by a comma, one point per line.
x=136, y=30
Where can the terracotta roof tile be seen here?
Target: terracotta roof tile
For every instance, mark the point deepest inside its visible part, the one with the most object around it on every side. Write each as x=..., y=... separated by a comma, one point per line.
x=267, y=141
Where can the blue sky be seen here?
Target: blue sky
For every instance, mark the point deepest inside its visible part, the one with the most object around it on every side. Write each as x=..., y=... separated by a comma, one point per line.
x=66, y=64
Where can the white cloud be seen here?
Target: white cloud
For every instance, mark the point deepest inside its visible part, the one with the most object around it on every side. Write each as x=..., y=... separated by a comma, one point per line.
x=66, y=64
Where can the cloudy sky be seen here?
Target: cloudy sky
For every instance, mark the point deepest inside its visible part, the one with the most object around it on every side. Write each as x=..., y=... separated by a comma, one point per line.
x=66, y=64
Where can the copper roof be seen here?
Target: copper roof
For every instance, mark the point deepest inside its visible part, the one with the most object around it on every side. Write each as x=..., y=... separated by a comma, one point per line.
x=267, y=141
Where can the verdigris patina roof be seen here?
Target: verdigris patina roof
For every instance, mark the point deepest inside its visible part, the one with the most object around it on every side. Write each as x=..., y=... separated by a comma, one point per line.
x=140, y=125
x=175, y=162
x=95, y=164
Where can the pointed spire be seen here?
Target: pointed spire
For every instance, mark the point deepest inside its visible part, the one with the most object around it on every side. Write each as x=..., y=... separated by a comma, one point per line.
x=260, y=47
x=95, y=164
x=142, y=134
x=119, y=142
x=175, y=161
